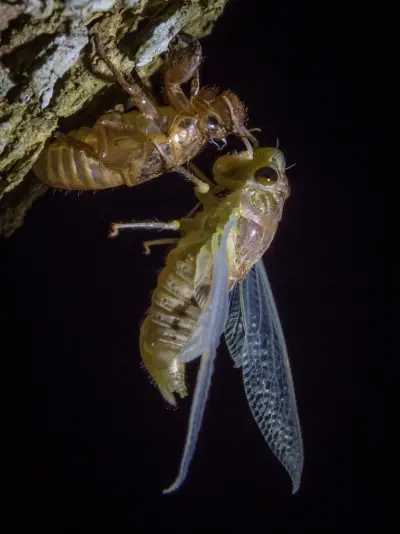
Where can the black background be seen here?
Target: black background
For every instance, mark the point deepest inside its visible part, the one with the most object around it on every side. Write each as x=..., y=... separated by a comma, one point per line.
x=91, y=441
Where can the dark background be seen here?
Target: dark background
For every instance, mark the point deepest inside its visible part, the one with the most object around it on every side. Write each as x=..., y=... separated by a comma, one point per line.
x=91, y=442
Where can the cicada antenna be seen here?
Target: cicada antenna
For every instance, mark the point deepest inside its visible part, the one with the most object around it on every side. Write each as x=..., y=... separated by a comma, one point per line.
x=290, y=166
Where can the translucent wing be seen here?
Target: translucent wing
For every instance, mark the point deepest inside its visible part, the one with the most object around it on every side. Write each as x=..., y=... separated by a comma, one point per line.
x=234, y=328
x=254, y=337
x=204, y=342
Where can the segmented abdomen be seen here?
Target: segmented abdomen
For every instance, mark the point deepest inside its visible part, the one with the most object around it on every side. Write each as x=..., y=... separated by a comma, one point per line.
x=170, y=321
x=130, y=155
x=66, y=167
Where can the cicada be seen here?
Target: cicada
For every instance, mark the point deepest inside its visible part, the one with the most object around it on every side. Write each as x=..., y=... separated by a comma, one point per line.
x=215, y=283
x=133, y=147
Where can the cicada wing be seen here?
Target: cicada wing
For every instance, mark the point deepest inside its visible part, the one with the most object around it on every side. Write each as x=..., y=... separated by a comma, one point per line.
x=204, y=341
x=234, y=328
x=266, y=371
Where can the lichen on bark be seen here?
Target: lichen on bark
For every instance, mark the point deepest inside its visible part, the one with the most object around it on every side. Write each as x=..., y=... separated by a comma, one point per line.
x=49, y=71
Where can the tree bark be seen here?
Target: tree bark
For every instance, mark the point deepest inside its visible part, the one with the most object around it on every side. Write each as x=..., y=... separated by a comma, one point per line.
x=51, y=77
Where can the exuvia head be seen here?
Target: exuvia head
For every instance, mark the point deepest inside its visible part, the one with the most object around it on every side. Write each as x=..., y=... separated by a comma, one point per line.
x=220, y=113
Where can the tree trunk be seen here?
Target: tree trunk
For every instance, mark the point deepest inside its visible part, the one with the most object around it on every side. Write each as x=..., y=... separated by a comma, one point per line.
x=51, y=77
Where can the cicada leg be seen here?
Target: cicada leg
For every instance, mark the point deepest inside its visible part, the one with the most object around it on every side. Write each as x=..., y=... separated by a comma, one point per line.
x=202, y=187
x=149, y=225
x=204, y=192
x=195, y=84
x=103, y=142
x=206, y=200
x=182, y=63
x=174, y=225
x=115, y=121
x=166, y=241
x=98, y=155
x=89, y=150
x=139, y=96
x=200, y=174
x=158, y=140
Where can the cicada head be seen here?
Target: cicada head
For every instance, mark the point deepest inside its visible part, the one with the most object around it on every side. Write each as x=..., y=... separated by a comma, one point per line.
x=268, y=168
x=267, y=186
x=220, y=114
x=265, y=168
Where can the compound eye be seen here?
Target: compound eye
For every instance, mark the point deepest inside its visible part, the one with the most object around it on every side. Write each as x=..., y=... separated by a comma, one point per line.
x=212, y=123
x=266, y=176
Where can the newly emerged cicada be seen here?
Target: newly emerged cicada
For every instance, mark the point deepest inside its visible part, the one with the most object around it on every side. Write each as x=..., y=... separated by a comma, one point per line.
x=215, y=282
x=133, y=147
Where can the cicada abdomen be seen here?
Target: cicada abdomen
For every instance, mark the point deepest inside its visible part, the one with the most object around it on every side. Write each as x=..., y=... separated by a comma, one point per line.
x=80, y=161
x=173, y=315
x=64, y=165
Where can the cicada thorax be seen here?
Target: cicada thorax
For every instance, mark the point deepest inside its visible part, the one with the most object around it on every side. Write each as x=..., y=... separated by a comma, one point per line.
x=260, y=188
x=251, y=241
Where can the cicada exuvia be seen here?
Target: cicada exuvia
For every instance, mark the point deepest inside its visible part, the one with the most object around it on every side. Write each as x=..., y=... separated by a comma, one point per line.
x=133, y=147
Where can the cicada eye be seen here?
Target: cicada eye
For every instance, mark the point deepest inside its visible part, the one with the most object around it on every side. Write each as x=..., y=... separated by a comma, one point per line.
x=266, y=176
x=212, y=123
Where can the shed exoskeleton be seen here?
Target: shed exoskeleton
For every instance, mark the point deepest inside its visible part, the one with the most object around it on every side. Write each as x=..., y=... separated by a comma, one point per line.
x=133, y=147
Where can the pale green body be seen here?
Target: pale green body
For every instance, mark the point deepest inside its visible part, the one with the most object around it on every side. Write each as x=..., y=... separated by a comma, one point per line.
x=255, y=204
